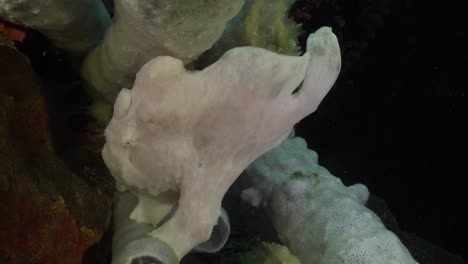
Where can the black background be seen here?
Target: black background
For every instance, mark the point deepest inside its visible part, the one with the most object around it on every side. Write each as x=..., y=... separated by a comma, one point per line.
x=396, y=118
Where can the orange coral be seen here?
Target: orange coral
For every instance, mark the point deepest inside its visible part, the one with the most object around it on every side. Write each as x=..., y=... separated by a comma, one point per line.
x=13, y=34
x=40, y=230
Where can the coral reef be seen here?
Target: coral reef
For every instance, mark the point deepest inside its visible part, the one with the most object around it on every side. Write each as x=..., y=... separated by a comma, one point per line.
x=179, y=139
x=52, y=215
x=39, y=229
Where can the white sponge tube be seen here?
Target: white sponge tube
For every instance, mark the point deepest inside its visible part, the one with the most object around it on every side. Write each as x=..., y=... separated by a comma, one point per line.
x=72, y=25
x=320, y=219
x=144, y=29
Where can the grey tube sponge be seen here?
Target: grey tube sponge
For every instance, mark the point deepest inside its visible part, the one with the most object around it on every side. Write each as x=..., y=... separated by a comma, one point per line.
x=72, y=25
x=144, y=29
x=321, y=220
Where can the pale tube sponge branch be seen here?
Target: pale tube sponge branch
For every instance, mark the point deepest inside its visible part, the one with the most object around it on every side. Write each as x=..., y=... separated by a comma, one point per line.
x=144, y=29
x=72, y=25
x=139, y=31
x=183, y=137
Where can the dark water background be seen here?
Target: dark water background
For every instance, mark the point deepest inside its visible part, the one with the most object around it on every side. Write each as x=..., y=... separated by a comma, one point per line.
x=397, y=119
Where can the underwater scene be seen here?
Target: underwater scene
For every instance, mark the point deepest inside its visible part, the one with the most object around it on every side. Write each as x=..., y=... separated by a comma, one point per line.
x=233, y=132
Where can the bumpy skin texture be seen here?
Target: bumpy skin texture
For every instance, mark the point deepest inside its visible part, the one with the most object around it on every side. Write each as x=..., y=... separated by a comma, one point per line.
x=72, y=25
x=321, y=220
x=144, y=29
x=193, y=133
